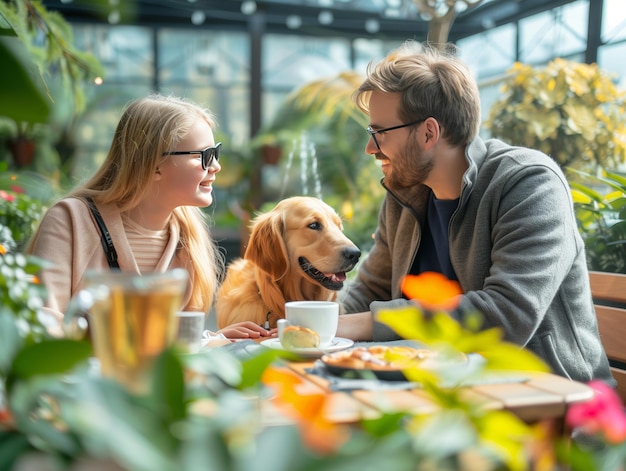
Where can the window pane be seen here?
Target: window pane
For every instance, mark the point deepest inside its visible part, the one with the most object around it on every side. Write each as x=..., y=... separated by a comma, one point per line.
x=489, y=53
x=211, y=68
x=94, y=130
x=614, y=20
x=557, y=33
x=207, y=58
x=367, y=50
x=125, y=51
x=230, y=105
x=611, y=59
x=291, y=61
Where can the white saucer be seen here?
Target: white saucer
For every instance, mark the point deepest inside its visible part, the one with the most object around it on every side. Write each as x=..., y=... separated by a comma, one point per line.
x=338, y=343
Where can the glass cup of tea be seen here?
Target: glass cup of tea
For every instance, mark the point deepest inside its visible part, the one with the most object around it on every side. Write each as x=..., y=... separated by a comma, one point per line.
x=130, y=318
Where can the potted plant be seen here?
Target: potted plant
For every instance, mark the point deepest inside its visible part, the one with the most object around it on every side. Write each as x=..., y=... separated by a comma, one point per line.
x=571, y=111
x=38, y=44
x=600, y=204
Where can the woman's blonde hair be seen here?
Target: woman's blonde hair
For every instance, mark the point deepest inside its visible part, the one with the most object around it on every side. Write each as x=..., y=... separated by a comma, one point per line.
x=149, y=127
x=432, y=82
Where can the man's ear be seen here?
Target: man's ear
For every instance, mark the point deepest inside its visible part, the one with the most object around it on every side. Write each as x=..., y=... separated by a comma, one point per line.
x=432, y=131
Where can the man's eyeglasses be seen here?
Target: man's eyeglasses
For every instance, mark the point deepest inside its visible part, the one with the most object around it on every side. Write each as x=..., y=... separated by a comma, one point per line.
x=207, y=155
x=373, y=132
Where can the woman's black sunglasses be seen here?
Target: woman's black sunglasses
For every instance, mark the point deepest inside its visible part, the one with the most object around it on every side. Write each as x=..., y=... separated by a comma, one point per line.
x=207, y=155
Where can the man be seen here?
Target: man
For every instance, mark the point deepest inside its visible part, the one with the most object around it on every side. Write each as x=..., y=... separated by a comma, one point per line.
x=498, y=219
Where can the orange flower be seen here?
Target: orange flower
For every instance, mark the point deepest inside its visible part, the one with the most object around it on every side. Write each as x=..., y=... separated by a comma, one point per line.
x=6, y=418
x=3, y=250
x=307, y=410
x=432, y=290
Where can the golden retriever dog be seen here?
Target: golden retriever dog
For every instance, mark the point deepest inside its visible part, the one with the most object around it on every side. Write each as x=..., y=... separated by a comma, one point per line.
x=296, y=251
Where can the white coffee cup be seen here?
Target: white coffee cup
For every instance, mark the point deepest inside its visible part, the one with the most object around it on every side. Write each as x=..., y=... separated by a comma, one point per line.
x=190, y=325
x=320, y=316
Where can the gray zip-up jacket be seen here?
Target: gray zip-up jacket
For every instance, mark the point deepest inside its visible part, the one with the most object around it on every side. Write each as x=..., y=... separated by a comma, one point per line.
x=515, y=249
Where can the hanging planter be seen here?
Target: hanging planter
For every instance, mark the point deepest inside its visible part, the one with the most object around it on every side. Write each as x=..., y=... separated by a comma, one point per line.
x=271, y=154
x=22, y=149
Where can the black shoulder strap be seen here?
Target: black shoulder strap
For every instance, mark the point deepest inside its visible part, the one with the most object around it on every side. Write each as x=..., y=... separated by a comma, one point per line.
x=107, y=242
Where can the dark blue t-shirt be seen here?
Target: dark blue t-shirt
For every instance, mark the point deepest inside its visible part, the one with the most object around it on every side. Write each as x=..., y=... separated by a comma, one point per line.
x=434, y=251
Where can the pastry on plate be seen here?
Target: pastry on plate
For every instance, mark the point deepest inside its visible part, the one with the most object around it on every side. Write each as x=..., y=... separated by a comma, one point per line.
x=295, y=336
x=380, y=358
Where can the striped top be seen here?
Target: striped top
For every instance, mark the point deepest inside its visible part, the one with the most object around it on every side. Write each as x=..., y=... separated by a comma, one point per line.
x=147, y=245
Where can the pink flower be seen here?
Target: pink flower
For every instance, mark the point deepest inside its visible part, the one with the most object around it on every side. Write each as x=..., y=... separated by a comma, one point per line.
x=604, y=414
x=6, y=196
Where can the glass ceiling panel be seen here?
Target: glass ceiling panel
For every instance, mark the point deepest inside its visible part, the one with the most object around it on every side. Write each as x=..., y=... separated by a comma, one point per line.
x=300, y=60
x=489, y=53
x=201, y=57
x=561, y=32
x=611, y=60
x=125, y=51
x=614, y=20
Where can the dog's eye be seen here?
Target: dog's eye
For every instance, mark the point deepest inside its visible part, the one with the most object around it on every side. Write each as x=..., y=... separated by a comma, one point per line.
x=316, y=226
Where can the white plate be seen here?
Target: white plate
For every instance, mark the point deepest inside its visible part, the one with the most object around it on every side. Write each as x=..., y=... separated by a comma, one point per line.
x=338, y=343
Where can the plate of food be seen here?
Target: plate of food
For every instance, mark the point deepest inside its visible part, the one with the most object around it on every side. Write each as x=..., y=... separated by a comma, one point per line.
x=386, y=362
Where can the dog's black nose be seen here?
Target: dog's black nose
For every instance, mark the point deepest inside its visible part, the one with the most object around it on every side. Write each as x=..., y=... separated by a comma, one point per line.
x=351, y=254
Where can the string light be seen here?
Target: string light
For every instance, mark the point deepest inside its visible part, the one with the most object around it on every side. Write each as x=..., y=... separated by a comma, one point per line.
x=372, y=25
x=248, y=7
x=114, y=17
x=293, y=22
x=325, y=17
x=198, y=17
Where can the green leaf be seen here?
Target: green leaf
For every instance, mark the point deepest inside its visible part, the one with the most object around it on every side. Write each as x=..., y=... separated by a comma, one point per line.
x=616, y=177
x=384, y=425
x=50, y=357
x=10, y=340
x=12, y=445
x=22, y=92
x=505, y=435
x=511, y=357
x=590, y=192
x=254, y=367
x=168, y=386
x=113, y=422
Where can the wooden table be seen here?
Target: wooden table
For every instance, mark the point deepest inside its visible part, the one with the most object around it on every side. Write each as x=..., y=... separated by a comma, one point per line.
x=539, y=396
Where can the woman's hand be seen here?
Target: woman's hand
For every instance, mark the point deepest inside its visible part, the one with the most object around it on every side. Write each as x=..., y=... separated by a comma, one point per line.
x=247, y=330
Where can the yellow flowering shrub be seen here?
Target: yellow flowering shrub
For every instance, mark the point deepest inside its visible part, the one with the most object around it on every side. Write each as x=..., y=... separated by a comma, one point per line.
x=572, y=111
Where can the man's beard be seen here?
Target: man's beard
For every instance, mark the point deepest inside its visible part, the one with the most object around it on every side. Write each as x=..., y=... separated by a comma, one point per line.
x=409, y=168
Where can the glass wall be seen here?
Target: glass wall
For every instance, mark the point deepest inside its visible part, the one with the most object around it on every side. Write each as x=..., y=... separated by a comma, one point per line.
x=611, y=54
x=536, y=40
x=213, y=67
x=126, y=53
x=561, y=32
x=288, y=65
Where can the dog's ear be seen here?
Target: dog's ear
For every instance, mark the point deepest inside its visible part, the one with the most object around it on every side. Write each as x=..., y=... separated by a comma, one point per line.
x=266, y=246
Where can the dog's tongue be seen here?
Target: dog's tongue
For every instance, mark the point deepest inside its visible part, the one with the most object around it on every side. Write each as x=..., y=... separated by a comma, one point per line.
x=337, y=277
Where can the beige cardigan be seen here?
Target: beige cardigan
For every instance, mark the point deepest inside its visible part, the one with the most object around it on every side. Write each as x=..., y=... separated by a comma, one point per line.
x=69, y=238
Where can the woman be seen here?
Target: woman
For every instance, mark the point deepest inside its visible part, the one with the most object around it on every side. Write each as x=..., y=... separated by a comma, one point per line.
x=157, y=175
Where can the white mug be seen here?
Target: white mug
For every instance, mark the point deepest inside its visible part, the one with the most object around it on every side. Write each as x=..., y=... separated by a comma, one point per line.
x=320, y=316
x=190, y=326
